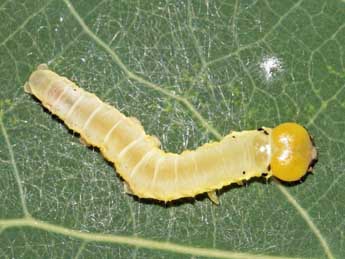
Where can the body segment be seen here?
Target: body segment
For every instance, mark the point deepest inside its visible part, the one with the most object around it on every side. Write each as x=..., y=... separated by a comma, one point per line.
x=149, y=171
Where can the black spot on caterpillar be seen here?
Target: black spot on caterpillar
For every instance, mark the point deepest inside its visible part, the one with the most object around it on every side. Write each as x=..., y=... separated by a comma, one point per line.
x=269, y=168
x=285, y=151
x=263, y=130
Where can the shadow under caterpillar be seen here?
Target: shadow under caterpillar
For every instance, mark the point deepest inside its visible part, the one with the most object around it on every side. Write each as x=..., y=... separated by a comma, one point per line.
x=286, y=151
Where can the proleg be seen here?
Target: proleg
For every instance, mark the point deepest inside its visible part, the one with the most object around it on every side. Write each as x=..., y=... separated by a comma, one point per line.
x=286, y=151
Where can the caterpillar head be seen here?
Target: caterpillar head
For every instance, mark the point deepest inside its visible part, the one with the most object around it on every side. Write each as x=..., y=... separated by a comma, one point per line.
x=293, y=152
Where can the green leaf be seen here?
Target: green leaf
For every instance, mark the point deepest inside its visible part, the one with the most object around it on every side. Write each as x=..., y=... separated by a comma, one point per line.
x=190, y=71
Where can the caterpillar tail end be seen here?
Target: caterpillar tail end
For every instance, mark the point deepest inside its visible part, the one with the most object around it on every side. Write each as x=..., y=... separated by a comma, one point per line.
x=42, y=66
x=27, y=87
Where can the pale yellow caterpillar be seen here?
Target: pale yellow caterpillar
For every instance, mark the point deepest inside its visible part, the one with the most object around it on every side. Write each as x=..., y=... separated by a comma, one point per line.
x=286, y=151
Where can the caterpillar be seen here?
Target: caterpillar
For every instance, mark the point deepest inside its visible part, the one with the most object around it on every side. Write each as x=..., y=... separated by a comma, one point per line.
x=286, y=152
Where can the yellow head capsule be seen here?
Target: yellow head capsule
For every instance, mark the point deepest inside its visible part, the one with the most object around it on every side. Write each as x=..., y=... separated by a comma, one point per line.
x=293, y=152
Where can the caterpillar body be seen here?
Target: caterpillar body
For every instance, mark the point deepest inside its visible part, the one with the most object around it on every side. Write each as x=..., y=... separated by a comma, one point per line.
x=286, y=151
